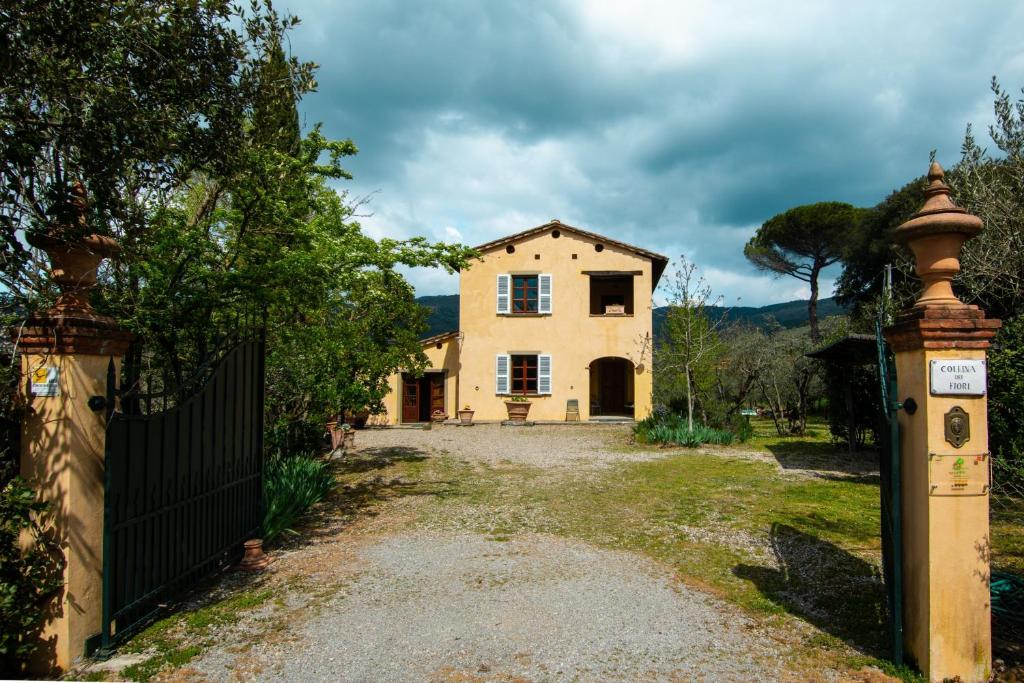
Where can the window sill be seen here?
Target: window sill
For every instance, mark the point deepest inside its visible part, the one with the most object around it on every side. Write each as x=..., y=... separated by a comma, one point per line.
x=524, y=315
x=528, y=397
x=611, y=315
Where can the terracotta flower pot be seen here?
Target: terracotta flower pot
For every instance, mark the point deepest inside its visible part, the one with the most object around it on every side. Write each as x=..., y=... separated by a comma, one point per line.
x=254, y=559
x=336, y=434
x=517, y=410
x=439, y=417
x=466, y=417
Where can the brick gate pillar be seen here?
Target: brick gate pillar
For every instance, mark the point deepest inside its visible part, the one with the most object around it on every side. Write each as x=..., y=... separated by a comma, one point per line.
x=940, y=348
x=65, y=355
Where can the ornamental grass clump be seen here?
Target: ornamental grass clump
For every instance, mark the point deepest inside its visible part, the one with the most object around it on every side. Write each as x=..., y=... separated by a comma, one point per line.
x=290, y=487
x=672, y=430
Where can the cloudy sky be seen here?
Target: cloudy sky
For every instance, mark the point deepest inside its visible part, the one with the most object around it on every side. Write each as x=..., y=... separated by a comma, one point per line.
x=677, y=126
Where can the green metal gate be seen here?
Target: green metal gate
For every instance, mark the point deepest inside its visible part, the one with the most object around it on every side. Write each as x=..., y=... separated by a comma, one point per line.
x=889, y=469
x=184, y=483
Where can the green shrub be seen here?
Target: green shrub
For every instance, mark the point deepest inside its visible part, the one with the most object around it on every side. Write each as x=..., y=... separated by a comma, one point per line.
x=290, y=486
x=1005, y=398
x=29, y=577
x=740, y=427
x=866, y=403
x=671, y=429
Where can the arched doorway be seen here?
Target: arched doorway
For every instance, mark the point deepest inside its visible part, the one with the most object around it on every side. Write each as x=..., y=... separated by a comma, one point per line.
x=611, y=387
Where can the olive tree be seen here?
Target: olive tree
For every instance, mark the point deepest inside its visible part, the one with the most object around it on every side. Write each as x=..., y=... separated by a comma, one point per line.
x=691, y=342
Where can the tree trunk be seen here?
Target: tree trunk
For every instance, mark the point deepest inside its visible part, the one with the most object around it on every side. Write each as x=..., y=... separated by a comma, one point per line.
x=851, y=420
x=812, y=305
x=689, y=399
x=774, y=408
x=801, y=411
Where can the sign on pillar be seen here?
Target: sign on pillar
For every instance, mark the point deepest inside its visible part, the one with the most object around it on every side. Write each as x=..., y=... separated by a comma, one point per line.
x=960, y=377
x=940, y=345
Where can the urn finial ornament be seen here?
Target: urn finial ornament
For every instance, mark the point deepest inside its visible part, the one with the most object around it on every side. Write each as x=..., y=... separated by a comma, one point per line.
x=71, y=325
x=935, y=234
x=75, y=258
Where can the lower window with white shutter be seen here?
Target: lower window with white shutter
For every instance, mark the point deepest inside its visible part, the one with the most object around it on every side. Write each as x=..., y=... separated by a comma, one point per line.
x=524, y=374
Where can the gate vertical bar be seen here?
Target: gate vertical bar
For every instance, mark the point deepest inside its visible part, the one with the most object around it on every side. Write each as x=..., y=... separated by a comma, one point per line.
x=105, y=634
x=261, y=375
x=897, y=522
x=891, y=493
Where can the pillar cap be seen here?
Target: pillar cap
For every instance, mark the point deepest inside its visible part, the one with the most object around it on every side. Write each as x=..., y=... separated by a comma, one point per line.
x=942, y=327
x=65, y=335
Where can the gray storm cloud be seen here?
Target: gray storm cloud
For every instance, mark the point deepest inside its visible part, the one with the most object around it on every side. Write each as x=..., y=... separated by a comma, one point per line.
x=679, y=128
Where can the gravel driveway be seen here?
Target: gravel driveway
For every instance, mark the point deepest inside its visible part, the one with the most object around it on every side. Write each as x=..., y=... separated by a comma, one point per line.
x=537, y=446
x=379, y=593
x=464, y=608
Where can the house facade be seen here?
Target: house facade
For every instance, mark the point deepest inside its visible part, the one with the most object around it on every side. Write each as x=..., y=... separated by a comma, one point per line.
x=554, y=314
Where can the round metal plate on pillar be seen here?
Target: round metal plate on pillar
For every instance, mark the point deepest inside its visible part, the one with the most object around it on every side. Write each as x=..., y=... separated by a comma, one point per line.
x=940, y=345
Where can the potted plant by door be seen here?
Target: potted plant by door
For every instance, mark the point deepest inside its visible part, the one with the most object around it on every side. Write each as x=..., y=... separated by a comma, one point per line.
x=466, y=415
x=439, y=416
x=518, y=408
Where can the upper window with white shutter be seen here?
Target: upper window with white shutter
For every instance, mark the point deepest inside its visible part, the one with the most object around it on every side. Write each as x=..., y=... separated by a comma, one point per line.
x=504, y=293
x=524, y=294
x=544, y=293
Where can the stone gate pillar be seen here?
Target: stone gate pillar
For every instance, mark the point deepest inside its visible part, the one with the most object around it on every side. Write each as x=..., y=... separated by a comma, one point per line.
x=940, y=348
x=65, y=355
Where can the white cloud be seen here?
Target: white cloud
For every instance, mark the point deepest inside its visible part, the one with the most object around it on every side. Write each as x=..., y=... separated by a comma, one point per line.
x=682, y=33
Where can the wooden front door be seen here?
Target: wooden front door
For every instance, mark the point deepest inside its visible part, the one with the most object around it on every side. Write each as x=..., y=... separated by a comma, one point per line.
x=436, y=392
x=613, y=386
x=410, y=399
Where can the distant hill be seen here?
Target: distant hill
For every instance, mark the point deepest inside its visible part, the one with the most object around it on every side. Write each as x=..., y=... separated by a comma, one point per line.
x=790, y=314
x=444, y=313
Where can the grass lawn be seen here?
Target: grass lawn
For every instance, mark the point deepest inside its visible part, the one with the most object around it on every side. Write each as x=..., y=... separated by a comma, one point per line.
x=765, y=435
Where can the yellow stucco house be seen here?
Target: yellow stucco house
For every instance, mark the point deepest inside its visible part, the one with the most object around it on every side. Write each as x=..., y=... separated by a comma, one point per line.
x=554, y=313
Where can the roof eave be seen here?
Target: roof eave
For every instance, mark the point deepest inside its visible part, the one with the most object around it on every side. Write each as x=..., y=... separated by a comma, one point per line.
x=444, y=336
x=659, y=262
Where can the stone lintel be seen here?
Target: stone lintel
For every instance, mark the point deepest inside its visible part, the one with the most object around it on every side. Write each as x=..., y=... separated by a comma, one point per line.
x=942, y=327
